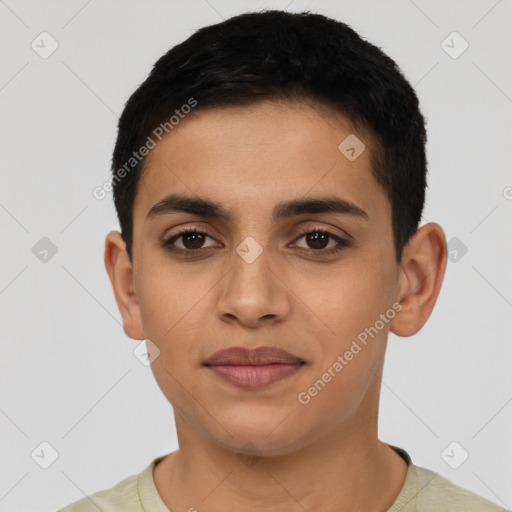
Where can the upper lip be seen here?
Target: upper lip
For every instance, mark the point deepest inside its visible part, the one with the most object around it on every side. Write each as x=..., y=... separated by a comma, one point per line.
x=239, y=356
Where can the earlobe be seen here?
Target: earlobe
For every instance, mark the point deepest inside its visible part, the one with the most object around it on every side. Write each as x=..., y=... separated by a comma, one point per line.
x=120, y=271
x=421, y=276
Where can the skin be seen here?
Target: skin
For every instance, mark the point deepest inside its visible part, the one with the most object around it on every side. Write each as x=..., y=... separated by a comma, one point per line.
x=324, y=455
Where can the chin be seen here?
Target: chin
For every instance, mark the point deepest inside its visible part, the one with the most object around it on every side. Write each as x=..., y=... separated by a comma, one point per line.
x=263, y=438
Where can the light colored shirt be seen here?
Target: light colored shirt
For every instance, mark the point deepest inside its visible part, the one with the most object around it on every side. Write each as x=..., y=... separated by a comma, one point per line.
x=423, y=491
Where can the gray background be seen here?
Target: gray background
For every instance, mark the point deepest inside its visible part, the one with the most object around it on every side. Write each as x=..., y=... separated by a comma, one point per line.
x=68, y=373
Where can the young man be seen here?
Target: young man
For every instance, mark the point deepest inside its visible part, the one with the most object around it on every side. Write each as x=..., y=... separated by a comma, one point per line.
x=269, y=178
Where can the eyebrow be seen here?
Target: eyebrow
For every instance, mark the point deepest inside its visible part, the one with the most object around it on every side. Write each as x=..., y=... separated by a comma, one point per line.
x=207, y=208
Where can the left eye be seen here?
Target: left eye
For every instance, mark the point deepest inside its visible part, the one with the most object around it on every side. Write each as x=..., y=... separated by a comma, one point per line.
x=318, y=240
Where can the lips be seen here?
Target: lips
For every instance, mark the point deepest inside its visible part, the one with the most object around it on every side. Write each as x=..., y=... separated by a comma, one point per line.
x=239, y=356
x=253, y=368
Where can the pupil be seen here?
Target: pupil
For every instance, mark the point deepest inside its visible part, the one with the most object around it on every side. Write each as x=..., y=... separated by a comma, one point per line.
x=196, y=240
x=316, y=238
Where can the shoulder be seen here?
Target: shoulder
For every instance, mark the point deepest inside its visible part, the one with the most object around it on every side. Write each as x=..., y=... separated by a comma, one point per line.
x=437, y=493
x=123, y=497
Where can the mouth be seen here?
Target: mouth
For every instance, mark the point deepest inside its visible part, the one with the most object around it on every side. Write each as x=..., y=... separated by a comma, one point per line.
x=253, y=368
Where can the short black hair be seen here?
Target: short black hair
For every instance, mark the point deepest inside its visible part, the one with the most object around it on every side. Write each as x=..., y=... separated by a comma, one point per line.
x=276, y=55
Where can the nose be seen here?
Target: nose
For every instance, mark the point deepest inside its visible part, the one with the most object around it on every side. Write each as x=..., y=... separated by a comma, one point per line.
x=253, y=293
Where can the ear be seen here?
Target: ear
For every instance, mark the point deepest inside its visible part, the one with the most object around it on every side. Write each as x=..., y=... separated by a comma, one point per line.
x=420, y=277
x=120, y=271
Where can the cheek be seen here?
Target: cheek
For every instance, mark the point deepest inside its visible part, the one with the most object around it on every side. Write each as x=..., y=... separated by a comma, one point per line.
x=176, y=311
x=349, y=300
x=169, y=296
x=350, y=307
x=174, y=320
x=348, y=360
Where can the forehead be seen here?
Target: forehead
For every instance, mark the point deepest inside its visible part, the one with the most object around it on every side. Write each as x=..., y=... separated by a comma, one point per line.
x=252, y=157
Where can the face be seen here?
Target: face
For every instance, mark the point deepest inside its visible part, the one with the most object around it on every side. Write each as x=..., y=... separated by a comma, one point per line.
x=267, y=267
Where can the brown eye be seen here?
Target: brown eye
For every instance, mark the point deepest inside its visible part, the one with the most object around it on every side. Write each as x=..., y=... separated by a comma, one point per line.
x=190, y=240
x=193, y=240
x=317, y=239
x=322, y=242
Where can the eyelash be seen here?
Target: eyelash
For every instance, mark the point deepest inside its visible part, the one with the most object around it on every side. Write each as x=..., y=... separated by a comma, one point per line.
x=342, y=242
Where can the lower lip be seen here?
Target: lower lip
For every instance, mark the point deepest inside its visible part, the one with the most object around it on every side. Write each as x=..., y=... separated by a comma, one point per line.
x=255, y=377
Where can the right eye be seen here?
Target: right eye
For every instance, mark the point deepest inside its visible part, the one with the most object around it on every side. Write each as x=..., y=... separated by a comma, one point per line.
x=192, y=240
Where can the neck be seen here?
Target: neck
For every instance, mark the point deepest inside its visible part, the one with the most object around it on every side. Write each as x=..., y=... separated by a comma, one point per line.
x=343, y=470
